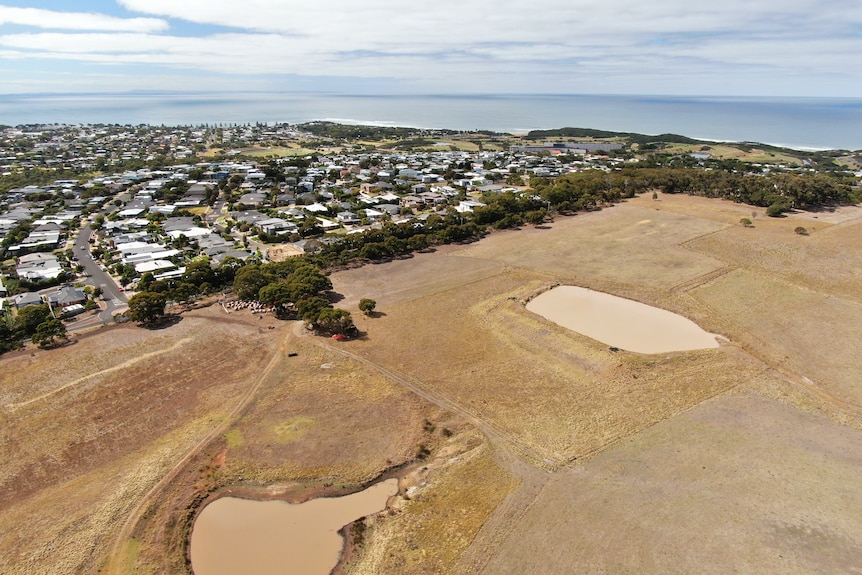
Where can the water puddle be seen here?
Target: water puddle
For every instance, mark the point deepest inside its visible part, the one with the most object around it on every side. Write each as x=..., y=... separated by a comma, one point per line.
x=233, y=535
x=620, y=322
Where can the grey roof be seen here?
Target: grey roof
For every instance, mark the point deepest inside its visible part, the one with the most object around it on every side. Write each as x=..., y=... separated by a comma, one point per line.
x=179, y=223
x=25, y=299
x=67, y=295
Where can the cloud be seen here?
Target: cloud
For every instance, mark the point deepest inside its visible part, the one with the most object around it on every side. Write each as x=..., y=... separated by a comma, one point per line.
x=480, y=45
x=77, y=20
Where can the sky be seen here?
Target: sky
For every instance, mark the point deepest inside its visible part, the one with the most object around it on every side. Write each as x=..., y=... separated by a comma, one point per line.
x=797, y=48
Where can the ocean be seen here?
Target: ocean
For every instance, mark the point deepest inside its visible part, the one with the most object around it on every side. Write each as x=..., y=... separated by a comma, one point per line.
x=806, y=123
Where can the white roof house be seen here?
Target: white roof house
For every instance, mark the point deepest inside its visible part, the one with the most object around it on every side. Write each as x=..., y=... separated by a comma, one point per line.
x=38, y=266
x=468, y=206
x=194, y=232
x=154, y=265
x=317, y=207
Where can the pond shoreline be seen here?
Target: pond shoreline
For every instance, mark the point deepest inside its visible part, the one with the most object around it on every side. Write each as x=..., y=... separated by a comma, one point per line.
x=618, y=322
x=298, y=493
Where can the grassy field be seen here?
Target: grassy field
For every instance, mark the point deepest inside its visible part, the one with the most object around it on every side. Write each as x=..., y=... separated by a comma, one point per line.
x=623, y=245
x=89, y=428
x=725, y=152
x=518, y=444
x=737, y=485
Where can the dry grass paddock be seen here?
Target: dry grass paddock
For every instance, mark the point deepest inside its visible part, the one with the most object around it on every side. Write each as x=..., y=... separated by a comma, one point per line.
x=517, y=443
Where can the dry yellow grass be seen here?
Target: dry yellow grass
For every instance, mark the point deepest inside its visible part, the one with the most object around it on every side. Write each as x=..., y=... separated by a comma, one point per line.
x=80, y=450
x=624, y=244
x=322, y=419
x=740, y=484
x=813, y=334
x=620, y=431
x=554, y=394
x=725, y=152
x=435, y=528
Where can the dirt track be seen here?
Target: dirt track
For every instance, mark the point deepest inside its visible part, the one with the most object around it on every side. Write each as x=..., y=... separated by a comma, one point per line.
x=521, y=424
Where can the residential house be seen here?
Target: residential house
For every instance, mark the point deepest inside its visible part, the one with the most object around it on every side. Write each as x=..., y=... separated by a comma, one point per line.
x=347, y=217
x=276, y=226
x=66, y=296
x=38, y=266
x=24, y=299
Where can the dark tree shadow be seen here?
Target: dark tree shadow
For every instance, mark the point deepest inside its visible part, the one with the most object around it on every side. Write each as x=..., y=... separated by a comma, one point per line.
x=164, y=322
x=333, y=297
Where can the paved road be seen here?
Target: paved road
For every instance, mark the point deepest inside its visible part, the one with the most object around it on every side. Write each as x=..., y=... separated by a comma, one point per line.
x=214, y=213
x=114, y=298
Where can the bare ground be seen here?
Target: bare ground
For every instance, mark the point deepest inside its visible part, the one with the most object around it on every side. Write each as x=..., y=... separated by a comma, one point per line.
x=518, y=444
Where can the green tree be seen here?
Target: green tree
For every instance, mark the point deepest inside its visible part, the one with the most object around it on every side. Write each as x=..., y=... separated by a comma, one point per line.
x=778, y=207
x=8, y=341
x=48, y=332
x=278, y=293
x=310, y=308
x=147, y=307
x=29, y=318
x=199, y=272
x=248, y=281
x=367, y=305
x=145, y=282
x=333, y=321
x=536, y=217
x=183, y=292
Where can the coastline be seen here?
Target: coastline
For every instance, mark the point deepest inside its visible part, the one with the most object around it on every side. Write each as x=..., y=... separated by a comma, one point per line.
x=798, y=123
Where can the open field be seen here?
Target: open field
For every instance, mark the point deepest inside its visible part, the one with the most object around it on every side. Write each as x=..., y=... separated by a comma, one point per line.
x=725, y=152
x=813, y=334
x=519, y=446
x=624, y=245
x=278, y=151
x=89, y=428
x=737, y=485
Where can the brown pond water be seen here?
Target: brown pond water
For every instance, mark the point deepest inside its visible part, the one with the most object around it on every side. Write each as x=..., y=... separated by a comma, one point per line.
x=233, y=536
x=620, y=322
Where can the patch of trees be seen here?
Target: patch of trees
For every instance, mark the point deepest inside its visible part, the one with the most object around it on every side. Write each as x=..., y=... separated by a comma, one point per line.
x=172, y=191
x=294, y=287
x=199, y=279
x=394, y=240
x=631, y=137
x=36, y=177
x=34, y=322
x=345, y=132
x=589, y=190
x=778, y=192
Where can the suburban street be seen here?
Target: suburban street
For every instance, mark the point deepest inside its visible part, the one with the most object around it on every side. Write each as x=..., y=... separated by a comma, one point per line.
x=114, y=299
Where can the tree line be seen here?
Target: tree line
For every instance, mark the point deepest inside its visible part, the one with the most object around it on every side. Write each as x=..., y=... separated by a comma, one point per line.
x=297, y=288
